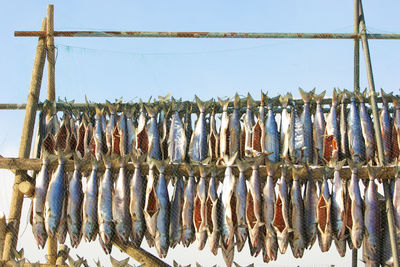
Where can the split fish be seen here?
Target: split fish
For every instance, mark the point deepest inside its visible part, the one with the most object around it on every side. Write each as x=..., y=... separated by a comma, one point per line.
x=258, y=137
x=246, y=135
x=199, y=213
x=213, y=143
x=142, y=137
x=332, y=135
x=241, y=233
x=151, y=206
x=198, y=146
x=188, y=235
x=344, y=142
x=324, y=222
x=110, y=126
x=213, y=213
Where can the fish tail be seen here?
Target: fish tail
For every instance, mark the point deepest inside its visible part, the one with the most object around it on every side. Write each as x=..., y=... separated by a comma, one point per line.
x=318, y=98
x=306, y=96
x=338, y=164
x=334, y=96
x=163, y=99
x=243, y=164
x=373, y=171
x=396, y=102
x=271, y=166
x=152, y=111
x=202, y=105
x=224, y=103
x=176, y=104
x=250, y=101
x=264, y=97
x=107, y=160
x=160, y=165
x=386, y=97
x=203, y=170
x=236, y=103
x=99, y=111
x=342, y=95
x=354, y=165
x=285, y=99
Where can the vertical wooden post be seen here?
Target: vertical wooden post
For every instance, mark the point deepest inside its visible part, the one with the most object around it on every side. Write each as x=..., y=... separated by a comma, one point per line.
x=3, y=227
x=14, y=217
x=378, y=136
x=51, y=96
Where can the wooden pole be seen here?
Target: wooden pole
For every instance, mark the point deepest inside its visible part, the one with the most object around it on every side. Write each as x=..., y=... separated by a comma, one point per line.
x=25, y=146
x=378, y=136
x=3, y=227
x=51, y=96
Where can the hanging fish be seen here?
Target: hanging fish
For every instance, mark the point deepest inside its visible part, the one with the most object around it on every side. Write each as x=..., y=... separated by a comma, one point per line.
x=396, y=129
x=151, y=205
x=281, y=221
x=241, y=233
x=187, y=125
x=53, y=125
x=162, y=229
x=130, y=130
x=104, y=208
x=355, y=217
x=298, y=240
x=270, y=251
x=90, y=222
x=74, y=207
x=367, y=129
x=198, y=147
x=175, y=216
x=142, y=137
x=331, y=137
x=165, y=129
x=318, y=129
x=254, y=210
x=213, y=213
x=258, y=137
x=338, y=212
x=228, y=211
x=62, y=229
x=100, y=146
x=246, y=135
x=371, y=218
x=307, y=126
x=177, y=141
x=224, y=129
x=386, y=126
x=234, y=128
x=38, y=203
x=137, y=199
x=344, y=142
x=396, y=201
x=213, y=143
x=310, y=211
x=88, y=143
x=199, y=214
x=324, y=223
x=39, y=136
x=188, y=235
x=272, y=144
x=123, y=134
x=154, y=150
x=296, y=141
x=355, y=137
x=110, y=126
x=285, y=125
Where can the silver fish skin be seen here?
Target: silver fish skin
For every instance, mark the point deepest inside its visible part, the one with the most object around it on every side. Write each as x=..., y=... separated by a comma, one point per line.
x=284, y=125
x=130, y=131
x=54, y=198
x=338, y=212
x=198, y=147
x=228, y=202
x=38, y=204
x=224, y=129
x=258, y=137
x=241, y=233
x=199, y=216
x=137, y=199
x=386, y=127
x=270, y=242
x=177, y=141
x=371, y=215
x=123, y=132
x=296, y=141
x=120, y=205
x=254, y=211
x=154, y=150
x=396, y=204
x=107, y=248
x=213, y=214
x=151, y=206
x=355, y=137
x=142, y=138
x=175, y=217
x=62, y=229
x=104, y=208
x=367, y=130
x=332, y=134
x=318, y=129
x=281, y=221
x=98, y=135
x=307, y=126
x=272, y=144
x=74, y=207
x=324, y=225
x=188, y=235
x=298, y=241
x=213, y=143
x=248, y=127
x=110, y=126
x=310, y=214
x=234, y=128
x=39, y=136
x=344, y=142
x=90, y=222
x=357, y=217
x=187, y=124
x=162, y=234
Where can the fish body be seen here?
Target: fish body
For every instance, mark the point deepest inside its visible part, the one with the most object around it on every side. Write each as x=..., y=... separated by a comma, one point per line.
x=62, y=229
x=296, y=140
x=355, y=215
x=110, y=127
x=154, y=149
x=213, y=214
x=199, y=216
x=324, y=225
x=307, y=127
x=100, y=145
x=310, y=214
x=104, y=208
x=175, y=217
x=177, y=141
x=142, y=137
x=188, y=235
x=198, y=147
x=74, y=207
x=213, y=149
x=38, y=204
x=224, y=129
x=40, y=135
x=90, y=222
x=187, y=124
x=396, y=129
x=386, y=127
x=298, y=241
x=355, y=137
x=344, y=142
x=319, y=129
x=367, y=131
x=151, y=206
x=396, y=204
x=130, y=132
x=271, y=241
x=234, y=128
x=285, y=125
x=272, y=144
x=123, y=135
x=258, y=132
x=55, y=198
x=248, y=128
x=241, y=233
x=371, y=219
x=331, y=136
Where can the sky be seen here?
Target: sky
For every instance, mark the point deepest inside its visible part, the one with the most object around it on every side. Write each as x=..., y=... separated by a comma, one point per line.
x=110, y=68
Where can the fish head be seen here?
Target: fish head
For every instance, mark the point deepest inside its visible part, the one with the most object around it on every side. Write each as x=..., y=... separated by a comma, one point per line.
x=357, y=236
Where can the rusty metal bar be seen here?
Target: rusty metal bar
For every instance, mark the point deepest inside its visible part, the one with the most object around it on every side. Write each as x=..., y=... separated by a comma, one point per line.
x=234, y=35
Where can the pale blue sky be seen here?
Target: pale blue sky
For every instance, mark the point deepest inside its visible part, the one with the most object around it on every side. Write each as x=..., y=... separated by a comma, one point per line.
x=105, y=68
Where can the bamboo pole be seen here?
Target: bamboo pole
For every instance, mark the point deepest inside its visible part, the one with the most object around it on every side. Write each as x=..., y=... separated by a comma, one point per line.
x=27, y=264
x=378, y=136
x=51, y=95
x=25, y=146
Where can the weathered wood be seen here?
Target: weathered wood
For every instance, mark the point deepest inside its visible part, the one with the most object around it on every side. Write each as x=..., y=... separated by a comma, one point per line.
x=140, y=255
x=27, y=188
x=62, y=255
x=25, y=146
x=3, y=228
x=27, y=264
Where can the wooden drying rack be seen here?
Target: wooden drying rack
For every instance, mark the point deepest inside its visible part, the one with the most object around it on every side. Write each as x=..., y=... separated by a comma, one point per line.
x=45, y=50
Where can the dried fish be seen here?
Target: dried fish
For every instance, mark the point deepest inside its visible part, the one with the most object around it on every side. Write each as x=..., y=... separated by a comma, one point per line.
x=318, y=129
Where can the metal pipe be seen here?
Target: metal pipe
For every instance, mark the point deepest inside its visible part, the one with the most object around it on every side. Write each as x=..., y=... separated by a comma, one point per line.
x=378, y=136
x=234, y=35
